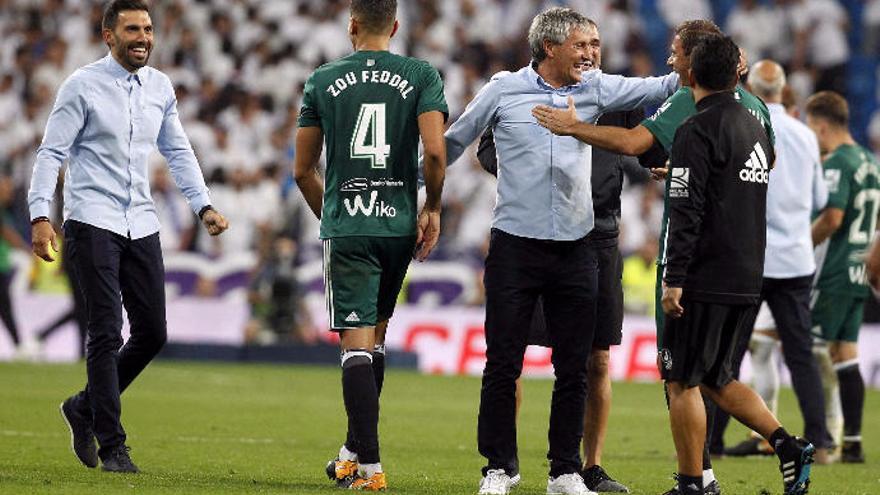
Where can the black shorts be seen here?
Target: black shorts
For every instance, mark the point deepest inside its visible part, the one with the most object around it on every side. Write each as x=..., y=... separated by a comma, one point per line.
x=609, y=303
x=701, y=346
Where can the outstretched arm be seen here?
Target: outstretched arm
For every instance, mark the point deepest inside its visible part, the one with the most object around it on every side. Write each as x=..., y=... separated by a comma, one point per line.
x=565, y=122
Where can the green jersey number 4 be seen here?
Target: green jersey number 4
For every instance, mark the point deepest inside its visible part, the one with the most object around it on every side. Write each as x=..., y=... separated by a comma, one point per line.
x=368, y=140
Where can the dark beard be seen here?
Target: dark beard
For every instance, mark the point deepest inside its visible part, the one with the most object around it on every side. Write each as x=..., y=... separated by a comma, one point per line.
x=128, y=61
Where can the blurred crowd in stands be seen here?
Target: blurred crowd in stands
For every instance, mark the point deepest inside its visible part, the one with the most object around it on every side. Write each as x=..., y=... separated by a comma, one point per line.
x=239, y=67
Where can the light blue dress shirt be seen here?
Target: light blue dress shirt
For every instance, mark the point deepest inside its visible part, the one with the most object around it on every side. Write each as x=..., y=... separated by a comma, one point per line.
x=108, y=121
x=544, y=187
x=796, y=189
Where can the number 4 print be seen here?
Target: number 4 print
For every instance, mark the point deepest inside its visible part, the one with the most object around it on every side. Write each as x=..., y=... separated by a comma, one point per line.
x=368, y=140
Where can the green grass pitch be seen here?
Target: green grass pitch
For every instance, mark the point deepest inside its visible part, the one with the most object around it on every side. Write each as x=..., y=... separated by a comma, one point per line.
x=216, y=428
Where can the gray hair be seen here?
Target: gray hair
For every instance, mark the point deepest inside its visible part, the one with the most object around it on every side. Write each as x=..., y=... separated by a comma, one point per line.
x=556, y=25
x=767, y=79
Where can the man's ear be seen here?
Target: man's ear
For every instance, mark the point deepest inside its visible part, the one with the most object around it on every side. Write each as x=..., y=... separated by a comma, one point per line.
x=352, y=26
x=549, y=48
x=107, y=35
x=395, y=27
x=691, y=79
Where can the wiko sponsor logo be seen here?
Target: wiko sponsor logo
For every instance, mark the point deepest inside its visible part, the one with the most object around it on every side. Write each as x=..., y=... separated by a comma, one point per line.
x=756, y=168
x=373, y=209
x=858, y=274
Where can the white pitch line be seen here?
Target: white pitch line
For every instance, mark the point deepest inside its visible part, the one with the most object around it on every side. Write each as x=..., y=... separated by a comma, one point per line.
x=186, y=439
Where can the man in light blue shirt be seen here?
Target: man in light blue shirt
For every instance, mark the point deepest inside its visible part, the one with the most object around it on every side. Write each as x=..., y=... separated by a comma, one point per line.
x=795, y=191
x=108, y=117
x=542, y=215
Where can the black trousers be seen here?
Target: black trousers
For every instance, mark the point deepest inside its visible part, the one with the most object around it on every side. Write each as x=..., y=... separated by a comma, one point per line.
x=7, y=314
x=518, y=271
x=114, y=271
x=77, y=313
x=789, y=302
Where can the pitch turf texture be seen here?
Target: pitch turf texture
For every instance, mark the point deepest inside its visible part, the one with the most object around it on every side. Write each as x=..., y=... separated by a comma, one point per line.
x=206, y=429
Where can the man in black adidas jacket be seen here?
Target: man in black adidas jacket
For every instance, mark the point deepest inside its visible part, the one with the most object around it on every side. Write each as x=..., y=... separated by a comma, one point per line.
x=720, y=161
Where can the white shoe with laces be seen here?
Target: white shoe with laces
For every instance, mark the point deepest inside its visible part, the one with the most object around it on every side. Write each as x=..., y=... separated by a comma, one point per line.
x=496, y=482
x=568, y=484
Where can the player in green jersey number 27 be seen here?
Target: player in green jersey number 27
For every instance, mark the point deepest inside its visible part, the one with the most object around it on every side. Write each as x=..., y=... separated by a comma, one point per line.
x=842, y=234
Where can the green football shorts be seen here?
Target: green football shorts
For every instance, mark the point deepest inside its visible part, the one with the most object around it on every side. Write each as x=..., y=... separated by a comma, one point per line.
x=837, y=317
x=362, y=277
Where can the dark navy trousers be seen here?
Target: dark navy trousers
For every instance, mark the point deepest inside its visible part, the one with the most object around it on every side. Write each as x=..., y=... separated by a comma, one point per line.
x=113, y=272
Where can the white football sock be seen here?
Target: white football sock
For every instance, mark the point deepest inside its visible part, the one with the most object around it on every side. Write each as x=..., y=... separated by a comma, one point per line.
x=368, y=470
x=831, y=388
x=765, y=369
x=708, y=477
x=347, y=455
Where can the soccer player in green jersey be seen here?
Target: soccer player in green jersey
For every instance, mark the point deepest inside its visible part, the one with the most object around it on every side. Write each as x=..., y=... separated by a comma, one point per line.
x=657, y=131
x=371, y=107
x=842, y=235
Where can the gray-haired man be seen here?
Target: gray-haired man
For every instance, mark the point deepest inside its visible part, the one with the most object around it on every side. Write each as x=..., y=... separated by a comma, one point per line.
x=538, y=243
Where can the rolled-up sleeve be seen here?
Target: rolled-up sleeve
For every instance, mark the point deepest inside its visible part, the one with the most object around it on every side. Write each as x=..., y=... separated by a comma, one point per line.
x=67, y=119
x=174, y=145
x=618, y=93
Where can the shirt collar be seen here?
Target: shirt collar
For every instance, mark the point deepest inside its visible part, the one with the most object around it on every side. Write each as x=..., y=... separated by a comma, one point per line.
x=118, y=71
x=776, y=107
x=539, y=81
x=714, y=99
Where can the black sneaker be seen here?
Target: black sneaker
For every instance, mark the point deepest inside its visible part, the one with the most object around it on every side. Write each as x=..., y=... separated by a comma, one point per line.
x=598, y=480
x=851, y=453
x=795, y=458
x=713, y=488
x=82, y=438
x=118, y=461
x=752, y=446
x=343, y=473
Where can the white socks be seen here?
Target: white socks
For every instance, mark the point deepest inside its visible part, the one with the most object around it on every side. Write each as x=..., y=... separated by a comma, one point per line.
x=368, y=470
x=765, y=368
x=708, y=477
x=831, y=388
x=347, y=455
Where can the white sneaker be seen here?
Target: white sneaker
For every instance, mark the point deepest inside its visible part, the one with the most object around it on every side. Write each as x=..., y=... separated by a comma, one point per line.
x=29, y=350
x=568, y=484
x=497, y=482
x=515, y=480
